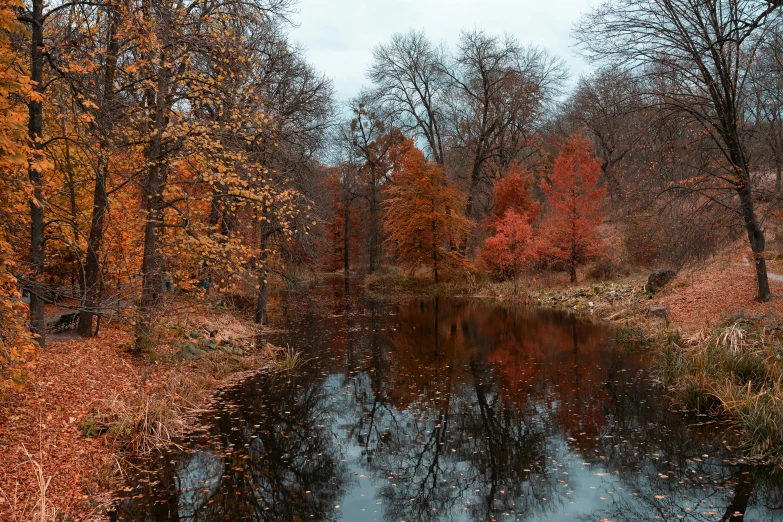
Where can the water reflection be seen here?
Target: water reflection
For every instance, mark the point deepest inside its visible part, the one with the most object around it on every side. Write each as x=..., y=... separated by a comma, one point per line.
x=451, y=410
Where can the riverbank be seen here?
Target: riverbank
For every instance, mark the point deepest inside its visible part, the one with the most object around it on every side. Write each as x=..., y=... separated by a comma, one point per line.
x=713, y=346
x=90, y=407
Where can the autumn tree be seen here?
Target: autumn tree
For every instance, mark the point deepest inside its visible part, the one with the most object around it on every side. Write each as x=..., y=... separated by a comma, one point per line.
x=570, y=229
x=102, y=112
x=343, y=225
x=509, y=251
x=203, y=122
x=423, y=214
x=16, y=344
x=514, y=192
x=37, y=15
x=299, y=103
x=693, y=61
x=511, y=247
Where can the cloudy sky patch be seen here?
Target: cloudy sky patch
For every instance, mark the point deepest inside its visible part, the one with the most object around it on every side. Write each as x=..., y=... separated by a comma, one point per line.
x=339, y=35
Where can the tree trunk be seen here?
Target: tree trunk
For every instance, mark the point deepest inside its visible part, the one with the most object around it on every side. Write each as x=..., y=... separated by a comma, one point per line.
x=35, y=128
x=475, y=175
x=347, y=235
x=93, y=279
x=373, y=221
x=755, y=234
x=260, y=315
x=434, y=247
x=76, y=270
x=757, y=241
x=152, y=193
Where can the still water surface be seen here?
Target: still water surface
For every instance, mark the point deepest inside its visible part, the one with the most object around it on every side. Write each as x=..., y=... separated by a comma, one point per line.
x=450, y=410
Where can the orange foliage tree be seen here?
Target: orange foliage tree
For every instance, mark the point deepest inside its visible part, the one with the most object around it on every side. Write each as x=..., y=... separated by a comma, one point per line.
x=570, y=230
x=16, y=344
x=424, y=220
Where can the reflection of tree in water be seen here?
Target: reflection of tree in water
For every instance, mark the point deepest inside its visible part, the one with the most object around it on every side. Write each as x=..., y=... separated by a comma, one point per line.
x=557, y=358
x=454, y=410
x=508, y=447
x=286, y=469
x=452, y=444
x=669, y=467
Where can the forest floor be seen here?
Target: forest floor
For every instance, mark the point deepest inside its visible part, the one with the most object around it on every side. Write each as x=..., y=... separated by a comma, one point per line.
x=76, y=424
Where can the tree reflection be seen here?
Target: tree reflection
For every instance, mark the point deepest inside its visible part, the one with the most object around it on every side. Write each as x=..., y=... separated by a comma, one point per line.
x=272, y=459
x=454, y=410
x=465, y=448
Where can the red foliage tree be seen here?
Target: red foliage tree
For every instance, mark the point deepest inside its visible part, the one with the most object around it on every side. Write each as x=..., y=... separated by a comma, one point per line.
x=511, y=248
x=570, y=230
x=514, y=192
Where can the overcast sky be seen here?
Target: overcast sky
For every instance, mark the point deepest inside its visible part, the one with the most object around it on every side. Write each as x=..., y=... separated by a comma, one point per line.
x=339, y=34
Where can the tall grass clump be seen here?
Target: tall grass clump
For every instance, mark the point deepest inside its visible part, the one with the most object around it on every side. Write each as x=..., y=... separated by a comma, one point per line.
x=732, y=371
x=144, y=422
x=390, y=281
x=284, y=359
x=632, y=336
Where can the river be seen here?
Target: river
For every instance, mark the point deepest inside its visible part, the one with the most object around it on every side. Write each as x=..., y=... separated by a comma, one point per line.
x=449, y=410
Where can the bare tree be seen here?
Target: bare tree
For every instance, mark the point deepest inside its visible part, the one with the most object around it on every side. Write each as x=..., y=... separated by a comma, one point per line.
x=498, y=94
x=766, y=103
x=371, y=141
x=608, y=105
x=409, y=85
x=698, y=50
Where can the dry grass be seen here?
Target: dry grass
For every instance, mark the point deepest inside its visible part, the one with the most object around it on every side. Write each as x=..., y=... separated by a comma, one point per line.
x=758, y=413
x=22, y=508
x=393, y=283
x=734, y=371
x=142, y=422
x=283, y=359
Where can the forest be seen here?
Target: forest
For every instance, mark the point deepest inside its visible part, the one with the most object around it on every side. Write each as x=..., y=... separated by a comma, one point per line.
x=161, y=158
